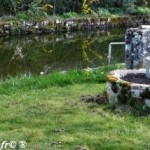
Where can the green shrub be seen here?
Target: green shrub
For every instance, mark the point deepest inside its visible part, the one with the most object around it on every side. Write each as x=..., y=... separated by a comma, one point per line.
x=116, y=11
x=22, y=15
x=70, y=15
x=143, y=11
x=103, y=12
x=34, y=13
x=109, y=11
x=131, y=11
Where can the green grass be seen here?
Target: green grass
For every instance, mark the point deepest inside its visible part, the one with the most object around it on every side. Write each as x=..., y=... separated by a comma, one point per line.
x=25, y=83
x=54, y=118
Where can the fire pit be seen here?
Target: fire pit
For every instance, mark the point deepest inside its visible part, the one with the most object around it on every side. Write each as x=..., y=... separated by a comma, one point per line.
x=128, y=87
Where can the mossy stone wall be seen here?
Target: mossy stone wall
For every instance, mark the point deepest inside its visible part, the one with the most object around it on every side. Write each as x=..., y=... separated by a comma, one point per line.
x=50, y=26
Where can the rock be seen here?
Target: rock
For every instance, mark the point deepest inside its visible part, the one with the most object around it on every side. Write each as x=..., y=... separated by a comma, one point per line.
x=7, y=32
x=6, y=26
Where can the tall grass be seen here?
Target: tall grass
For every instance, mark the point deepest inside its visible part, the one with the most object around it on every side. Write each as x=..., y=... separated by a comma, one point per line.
x=21, y=83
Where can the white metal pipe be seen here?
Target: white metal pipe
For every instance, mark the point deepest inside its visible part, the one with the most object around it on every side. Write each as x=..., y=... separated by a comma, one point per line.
x=109, y=49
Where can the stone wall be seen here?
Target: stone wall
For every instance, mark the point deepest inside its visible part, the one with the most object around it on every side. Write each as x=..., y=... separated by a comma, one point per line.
x=38, y=27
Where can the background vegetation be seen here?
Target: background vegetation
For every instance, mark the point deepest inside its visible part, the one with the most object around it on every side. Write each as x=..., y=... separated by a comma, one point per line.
x=71, y=8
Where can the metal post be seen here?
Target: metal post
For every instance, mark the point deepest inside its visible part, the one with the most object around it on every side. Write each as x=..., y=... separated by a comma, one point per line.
x=109, y=49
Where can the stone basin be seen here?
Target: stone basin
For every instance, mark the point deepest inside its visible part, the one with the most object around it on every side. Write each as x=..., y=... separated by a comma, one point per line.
x=120, y=91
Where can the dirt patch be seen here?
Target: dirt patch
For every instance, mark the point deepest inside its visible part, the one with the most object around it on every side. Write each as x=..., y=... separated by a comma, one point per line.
x=98, y=98
x=139, y=78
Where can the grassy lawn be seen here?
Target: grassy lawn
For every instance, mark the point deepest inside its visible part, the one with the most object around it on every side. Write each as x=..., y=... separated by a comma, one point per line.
x=54, y=118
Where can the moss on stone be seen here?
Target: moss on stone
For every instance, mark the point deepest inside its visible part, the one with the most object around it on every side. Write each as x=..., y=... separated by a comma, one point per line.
x=116, y=19
x=111, y=78
x=94, y=20
x=125, y=84
x=50, y=24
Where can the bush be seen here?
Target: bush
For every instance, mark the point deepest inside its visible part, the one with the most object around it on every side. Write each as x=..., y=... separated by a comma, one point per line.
x=116, y=11
x=22, y=15
x=143, y=11
x=33, y=13
x=131, y=10
x=130, y=7
x=70, y=15
x=110, y=11
x=103, y=12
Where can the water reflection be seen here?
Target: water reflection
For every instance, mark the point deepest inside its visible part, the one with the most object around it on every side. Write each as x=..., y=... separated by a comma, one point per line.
x=57, y=52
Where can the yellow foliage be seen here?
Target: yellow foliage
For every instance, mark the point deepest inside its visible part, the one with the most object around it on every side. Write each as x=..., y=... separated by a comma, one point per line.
x=47, y=7
x=86, y=6
x=47, y=50
x=85, y=45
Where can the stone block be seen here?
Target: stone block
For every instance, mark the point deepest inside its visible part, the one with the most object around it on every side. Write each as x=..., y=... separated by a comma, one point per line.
x=137, y=46
x=147, y=102
x=147, y=64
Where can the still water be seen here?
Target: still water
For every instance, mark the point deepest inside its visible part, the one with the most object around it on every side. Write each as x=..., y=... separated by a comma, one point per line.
x=58, y=52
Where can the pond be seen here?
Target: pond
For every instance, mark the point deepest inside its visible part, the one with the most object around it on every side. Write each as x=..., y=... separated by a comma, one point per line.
x=35, y=54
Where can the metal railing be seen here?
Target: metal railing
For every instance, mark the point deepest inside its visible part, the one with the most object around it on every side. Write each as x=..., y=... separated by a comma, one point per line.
x=110, y=49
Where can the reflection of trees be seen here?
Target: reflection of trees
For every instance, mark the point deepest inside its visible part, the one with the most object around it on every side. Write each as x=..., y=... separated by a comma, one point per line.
x=59, y=52
x=85, y=46
x=91, y=53
x=18, y=55
x=47, y=50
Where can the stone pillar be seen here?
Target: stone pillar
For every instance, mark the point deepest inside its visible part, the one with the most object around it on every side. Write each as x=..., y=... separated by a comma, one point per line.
x=147, y=65
x=137, y=46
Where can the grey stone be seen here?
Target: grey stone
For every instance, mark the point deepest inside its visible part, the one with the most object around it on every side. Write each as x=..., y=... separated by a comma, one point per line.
x=147, y=65
x=137, y=46
x=112, y=97
x=147, y=102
